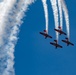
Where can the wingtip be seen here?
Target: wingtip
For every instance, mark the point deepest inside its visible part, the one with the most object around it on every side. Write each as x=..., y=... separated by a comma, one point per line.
x=50, y=42
x=39, y=32
x=65, y=34
x=61, y=46
x=61, y=40
x=73, y=44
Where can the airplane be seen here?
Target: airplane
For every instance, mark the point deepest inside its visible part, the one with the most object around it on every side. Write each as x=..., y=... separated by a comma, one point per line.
x=45, y=34
x=55, y=44
x=67, y=42
x=60, y=31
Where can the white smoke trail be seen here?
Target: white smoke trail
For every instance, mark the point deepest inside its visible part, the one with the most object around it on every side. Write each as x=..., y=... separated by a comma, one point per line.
x=60, y=12
x=11, y=13
x=46, y=13
x=66, y=17
x=55, y=12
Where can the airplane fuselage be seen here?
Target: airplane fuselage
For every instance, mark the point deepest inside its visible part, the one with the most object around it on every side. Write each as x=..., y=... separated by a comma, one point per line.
x=68, y=43
x=56, y=45
x=46, y=35
x=60, y=31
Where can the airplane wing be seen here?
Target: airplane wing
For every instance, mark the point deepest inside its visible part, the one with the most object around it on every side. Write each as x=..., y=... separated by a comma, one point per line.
x=71, y=44
x=57, y=45
x=52, y=43
x=49, y=36
x=42, y=33
x=46, y=35
x=64, y=41
x=63, y=33
x=56, y=30
x=68, y=42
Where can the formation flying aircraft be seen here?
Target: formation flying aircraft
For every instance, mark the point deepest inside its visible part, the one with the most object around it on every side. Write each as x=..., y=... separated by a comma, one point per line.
x=56, y=44
x=60, y=31
x=68, y=42
x=45, y=34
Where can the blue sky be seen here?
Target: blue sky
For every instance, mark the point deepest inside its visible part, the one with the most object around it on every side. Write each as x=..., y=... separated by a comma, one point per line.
x=34, y=55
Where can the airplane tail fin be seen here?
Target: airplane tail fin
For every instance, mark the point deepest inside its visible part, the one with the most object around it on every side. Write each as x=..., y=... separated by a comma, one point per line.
x=66, y=38
x=59, y=27
x=45, y=31
x=55, y=41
